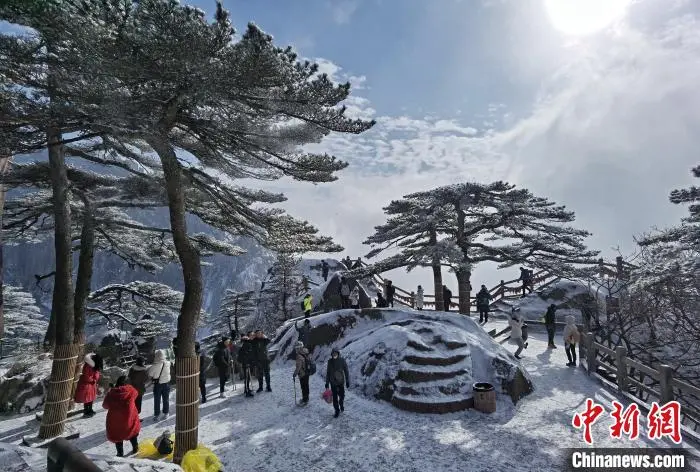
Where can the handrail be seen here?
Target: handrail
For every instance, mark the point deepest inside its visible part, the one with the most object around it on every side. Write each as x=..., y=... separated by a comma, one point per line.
x=662, y=387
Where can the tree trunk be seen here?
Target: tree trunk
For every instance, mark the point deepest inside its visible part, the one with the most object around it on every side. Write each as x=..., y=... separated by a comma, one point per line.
x=65, y=355
x=4, y=165
x=82, y=286
x=464, y=287
x=186, y=364
x=437, y=274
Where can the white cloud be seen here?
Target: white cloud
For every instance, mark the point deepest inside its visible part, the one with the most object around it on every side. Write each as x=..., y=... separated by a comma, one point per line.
x=609, y=136
x=343, y=10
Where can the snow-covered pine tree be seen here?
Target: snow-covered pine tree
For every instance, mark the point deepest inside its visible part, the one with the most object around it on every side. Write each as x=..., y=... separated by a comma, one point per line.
x=24, y=323
x=289, y=239
x=413, y=227
x=498, y=223
x=236, y=307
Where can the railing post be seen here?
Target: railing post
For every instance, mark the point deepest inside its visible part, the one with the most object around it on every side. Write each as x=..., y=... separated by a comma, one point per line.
x=590, y=353
x=501, y=288
x=666, y=383
x=621, y=360
x=620, y=268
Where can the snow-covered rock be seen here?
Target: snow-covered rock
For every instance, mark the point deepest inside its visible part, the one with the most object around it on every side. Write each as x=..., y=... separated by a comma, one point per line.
x=418, y=361
x=569, y=297
x=22, y=386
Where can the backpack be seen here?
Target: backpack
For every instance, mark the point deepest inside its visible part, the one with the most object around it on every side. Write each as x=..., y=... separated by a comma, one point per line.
x=309, y=366
x=165, y=446
x=302, y=306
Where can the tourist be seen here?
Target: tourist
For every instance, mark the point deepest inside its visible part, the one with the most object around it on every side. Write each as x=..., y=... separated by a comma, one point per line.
x=571, y=337
x=123, y=422
x=303, y=332
x=263, y=360
x=355, y=297
x=204, y=364
x=482, y=304
x=338, y=377
x=246, y=357
x=516, y=332
x=308, y=305
x=222, y=361
x=419, y=298
x=381, y=301
x=390, y=291
x=138, y=376
x=301, y=372
x=86, y=391
x=344, y=293
x=550, y=325
x=159, y=373
x=446, y=297
x=324, y=270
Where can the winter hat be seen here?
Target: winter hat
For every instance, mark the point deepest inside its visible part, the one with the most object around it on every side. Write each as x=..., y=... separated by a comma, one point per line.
x=335, y=350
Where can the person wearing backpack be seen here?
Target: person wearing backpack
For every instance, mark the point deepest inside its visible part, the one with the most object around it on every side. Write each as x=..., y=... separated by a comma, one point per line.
x=246, y=357
x=307, y=304
x=222, y=361
x=123, y=422
x=304, y=369
x=338, y=377
x=159, y=373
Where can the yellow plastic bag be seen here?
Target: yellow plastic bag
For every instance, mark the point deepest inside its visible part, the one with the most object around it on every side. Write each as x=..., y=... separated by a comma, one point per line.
x=201, y=459
x=147, y=450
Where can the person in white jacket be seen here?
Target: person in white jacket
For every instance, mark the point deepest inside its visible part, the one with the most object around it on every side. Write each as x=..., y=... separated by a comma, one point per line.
x=159, y=373
x=516, y=332
x=571, y=338
x=355, y=297
x=419, y=298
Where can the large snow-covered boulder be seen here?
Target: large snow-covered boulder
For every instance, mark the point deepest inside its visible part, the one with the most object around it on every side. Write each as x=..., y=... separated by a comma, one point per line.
x=571, y=298
x=22, y=386
x=419, y=361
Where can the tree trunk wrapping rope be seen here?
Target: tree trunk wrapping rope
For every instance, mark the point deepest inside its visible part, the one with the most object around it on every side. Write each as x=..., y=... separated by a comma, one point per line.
x=186, y=405
x=58, y=394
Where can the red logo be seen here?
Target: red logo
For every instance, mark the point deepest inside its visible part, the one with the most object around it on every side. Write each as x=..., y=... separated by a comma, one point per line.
x=665, y=421
x=587, y=418
x=626, y=421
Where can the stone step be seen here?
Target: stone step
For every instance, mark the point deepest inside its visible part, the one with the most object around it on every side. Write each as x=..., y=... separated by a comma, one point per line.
x=441, y=405
x=461, y=385
x=434, y=361
x=412, y=375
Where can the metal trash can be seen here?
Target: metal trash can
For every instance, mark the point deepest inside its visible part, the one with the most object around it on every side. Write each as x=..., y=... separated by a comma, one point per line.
x=484, y=397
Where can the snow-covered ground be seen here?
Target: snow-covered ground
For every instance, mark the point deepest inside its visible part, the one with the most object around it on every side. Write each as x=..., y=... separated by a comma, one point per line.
x=269, y=433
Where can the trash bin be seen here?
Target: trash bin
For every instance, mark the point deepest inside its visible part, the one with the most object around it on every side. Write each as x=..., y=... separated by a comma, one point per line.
x=484, y=397
x=524, y=330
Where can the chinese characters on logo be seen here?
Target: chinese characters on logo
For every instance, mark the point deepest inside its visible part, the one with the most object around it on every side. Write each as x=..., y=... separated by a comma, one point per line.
x=662, y=421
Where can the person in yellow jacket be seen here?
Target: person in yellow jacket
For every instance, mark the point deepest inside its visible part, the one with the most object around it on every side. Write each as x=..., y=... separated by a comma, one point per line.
x=308, y=305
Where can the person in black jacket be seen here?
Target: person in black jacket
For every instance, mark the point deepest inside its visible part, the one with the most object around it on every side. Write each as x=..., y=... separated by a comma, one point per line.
x=324, y=270
x=483, y=299
x=390, y=291
x=263, y=361
x=204, y=364
x=549, y=323
x=222, y=361
x=303, y=331
x=338, y=378
x=246, y=357
x=446, y=297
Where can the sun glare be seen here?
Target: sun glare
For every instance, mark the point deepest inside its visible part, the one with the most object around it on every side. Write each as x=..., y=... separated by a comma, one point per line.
x=582, y=17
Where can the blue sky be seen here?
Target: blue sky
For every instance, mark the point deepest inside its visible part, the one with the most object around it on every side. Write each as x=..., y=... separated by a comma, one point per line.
x=604, y=122
x=502, y=89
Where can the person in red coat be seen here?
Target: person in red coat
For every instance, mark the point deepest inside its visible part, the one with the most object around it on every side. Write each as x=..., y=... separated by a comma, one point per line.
x=122, y=417
x=86, y=391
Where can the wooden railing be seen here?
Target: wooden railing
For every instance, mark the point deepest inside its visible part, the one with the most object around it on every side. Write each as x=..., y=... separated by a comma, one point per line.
x=503, y=290
x=640, y=382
